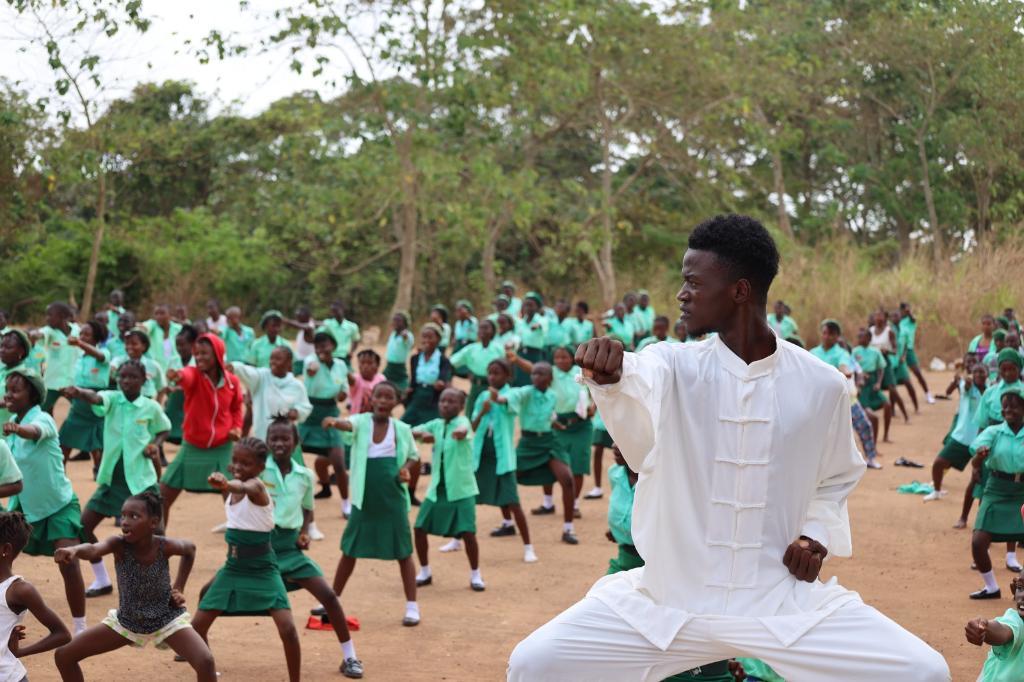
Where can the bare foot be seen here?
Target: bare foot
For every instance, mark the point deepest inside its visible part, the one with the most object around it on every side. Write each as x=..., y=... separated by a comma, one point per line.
x=961, y=523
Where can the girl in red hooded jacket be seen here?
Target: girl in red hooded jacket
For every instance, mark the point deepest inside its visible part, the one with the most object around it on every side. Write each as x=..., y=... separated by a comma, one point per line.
x=213, y=419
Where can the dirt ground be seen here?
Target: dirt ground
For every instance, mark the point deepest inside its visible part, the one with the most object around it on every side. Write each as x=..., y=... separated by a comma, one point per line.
x=909, y=562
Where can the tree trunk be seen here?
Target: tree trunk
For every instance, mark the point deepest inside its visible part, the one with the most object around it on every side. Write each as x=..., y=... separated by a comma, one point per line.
x=408, y=226
x=929, y=200
x=490, y=248
x=603, y=261
x=780, y=192
x=97, y=244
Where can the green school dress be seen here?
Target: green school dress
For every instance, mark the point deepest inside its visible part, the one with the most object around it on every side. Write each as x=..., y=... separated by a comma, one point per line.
x=465, y=333
x=174, y=408
x=900, y=370
x=292, y=493
x=601, y=435
x=580, y=331
x=237, y=343
x=49, y=502
x=578, y=434
x=161, y=345
x=322, y=389
x=1005, y=663
x=193, y=465
x=421, y=406
x=908, y=328
x=83, y=428
x=494, y=454
x=379, y=525
x=537, y=444
x=249, y=583
x=475, y=357
x=872, y=364
x=9, y=471
x=60, y=358
x=531, y=335
x=449, y=507
x=129, y=426
x=621, y=330
x=397, y=354
x=1002, y=500
x=956, y=447
x=345, y=332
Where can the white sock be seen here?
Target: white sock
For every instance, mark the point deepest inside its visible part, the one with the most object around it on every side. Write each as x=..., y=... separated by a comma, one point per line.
x=99, y=571
x=346, y=506
x=990, y=581
x=348, y=649
x=78, y=624
x=505, y=523
x=576, y=504
x=527, y=548
x=567, y=527
x=412, y=609
x=549, y=501
x=474, y=575
x=424, y=573
x=1011, y=559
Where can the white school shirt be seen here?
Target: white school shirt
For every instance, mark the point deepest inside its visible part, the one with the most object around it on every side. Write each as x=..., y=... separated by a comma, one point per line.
x=736, y=461
x=217, y=326
x=244, y=515
x=303, y=348
x=272, y=396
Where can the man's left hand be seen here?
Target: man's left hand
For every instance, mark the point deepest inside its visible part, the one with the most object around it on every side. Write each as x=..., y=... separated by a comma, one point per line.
x=804, y=557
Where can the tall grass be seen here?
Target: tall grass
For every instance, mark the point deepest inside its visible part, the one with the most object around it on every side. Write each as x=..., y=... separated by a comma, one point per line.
x=842, y=280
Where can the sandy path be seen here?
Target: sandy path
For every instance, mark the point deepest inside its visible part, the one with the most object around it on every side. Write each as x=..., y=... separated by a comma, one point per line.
x=909, y=563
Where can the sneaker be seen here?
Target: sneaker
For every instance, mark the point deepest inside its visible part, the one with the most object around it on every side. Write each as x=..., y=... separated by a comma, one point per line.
x=105, y=590
x=529, y=556
x=352, y=668
x=325, y=493
x=315, y=533
x=929, y=398
x=873, y=464
x=411, y=619
x=570, y=538
x=1016, y=568
x=453, y=546
x=219, y=528
x=935, y=495
x=477, y=585
x=983, y=593
x=595, y=494
x=503, y=531
x=542, y=510
x=423, y=582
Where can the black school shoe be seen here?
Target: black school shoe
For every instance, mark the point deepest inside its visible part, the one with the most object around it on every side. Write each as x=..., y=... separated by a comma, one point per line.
x=570, y=538
x=79, y=456
x=325, y=493
x=318, y=611
x=99, y=591
x=425, y=581
x=985, y=594
x=503, y=531
x=542, y=510
x=414, y=501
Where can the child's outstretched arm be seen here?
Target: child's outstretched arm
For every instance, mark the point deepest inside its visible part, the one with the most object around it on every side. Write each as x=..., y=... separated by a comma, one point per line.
x=187, y=551
x=91, y=351
x=88, y=551
x=253, y=488
x=516, y=361
x=485, y=407
x=91, y=397
x=336, y=423
x=22, y=595
x=983, y=631
x=423, y=436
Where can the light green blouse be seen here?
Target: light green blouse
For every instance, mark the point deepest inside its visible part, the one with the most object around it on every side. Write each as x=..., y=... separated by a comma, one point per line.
x=476, y=357
x=291, y=493
x=500, y=425
x=42, y=464
x=362, y=435
x=1006, y=448
x=128, y=427
x=535, y=408
x=454, y=457
x=328, y=382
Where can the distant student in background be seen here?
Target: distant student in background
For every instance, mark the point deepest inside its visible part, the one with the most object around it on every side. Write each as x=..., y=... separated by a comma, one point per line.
x=908, y=327
x=682, y=334
x=237, y=337
x=114, y=308
x=136, y=345
x=956, y=450
x=500, y=303
x=431, y=373
x=181, y=315
x=900, y=369
x=60, y=356
x=507, y=336
x=216, y=321
x=361, y=383
x=345, y=332
x=161, y=330
x=305, y=329
x=780, y=321
x=872, y=367
x=275, y=391
x=981, y=343
x=14, y=350
x=83, y=430
x=439, y=316
x=476, y=356
x=326, y=381
x=531, y=329
x=399, y=346
x=883, y=337
x=619, y=327
x=261, y=348
x=659, y=332
x=115, y=341
x=582, y=328
x=559, y=328
x=515, y=304
x=174, y=406
x=572, y=426
x=644, y=313
x=465, y=328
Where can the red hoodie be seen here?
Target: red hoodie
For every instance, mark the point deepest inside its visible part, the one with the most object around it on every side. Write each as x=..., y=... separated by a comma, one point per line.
x=211, y=411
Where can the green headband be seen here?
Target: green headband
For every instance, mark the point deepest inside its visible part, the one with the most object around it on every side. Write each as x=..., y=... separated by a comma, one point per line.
x=535, y=296
x=269, y=315
x=1010, y=355
x=33, y=378
x=463, y=303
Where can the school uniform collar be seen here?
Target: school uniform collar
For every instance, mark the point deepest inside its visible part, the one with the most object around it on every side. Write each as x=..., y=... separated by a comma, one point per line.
x=32, y=412
x=736, y=366
x=1005, y=429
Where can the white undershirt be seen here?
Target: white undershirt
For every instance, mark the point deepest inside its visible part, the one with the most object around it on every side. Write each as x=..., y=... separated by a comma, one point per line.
x=385, y=448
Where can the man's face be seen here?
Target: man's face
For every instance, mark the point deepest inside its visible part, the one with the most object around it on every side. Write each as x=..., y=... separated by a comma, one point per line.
x=706, y=297
x=828, y=337
x=161, y=315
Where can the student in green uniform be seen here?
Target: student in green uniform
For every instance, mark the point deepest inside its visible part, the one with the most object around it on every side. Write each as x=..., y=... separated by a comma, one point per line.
x=261, y=348
x=237, y=337
x=249, y=582
x=901, y=370
x=540, y=458
x=291, y=488
x=495, y=456
x=326, y=381
x=908, y=327
x=161, y=330
x=83, y=429
x=872, y=367
x=783, y=325
x=465, y=330
x=682, y=334
x=476, y=356
x=644, y=312
x=515, y=304
x=383, y=452
x=11, y=481
x=600, y=440
x=15, y=347
x=659, y=332
x=115, y=341
x=344, y=331
x=449, y=507
x=635, y=321
x=982, y=343
x=531, y=328
x=500, y=303
x=573, y=429
x=883, y=337
x=431, y=373
x=506, y=337
x=1009, y=363
x=174, y=406
x=114, y=308
x=830, y=351
x=48, y=501
x=136, y=345
x=559, y=328
x=61, y=356
x=134, y=428
x=1005, y=634
x=439, y=316
x=956, y=450
x=582, y=328
x=618, y=326
x=399, y=346
x=1000, y=449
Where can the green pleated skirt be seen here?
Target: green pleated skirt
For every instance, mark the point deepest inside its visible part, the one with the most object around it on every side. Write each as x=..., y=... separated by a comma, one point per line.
x=889, y=373
x=379, y=529
x=447, y=518
x=999, y=513
x=108, y=499
x=576, y=441
x=979, y=488
x=422, y=406
x=314, y=437
x=519, y=377
x=602, y=438
x=193, y=465
x=246, y=587
x=82, y=430
x=174, y=408
x=626, y=560
x=532, y=456
x=495, y=489
x=870, y=398
x=63, y=524
x=477, y=385
x=901, y=372
x=292, y=562
x=956, y=453
x=398, y=374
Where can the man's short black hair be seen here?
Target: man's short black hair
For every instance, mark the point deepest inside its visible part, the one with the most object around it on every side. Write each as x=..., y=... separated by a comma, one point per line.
x=744, y=245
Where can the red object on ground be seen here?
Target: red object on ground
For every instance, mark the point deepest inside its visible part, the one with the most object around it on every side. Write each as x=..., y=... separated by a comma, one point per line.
x=324, y=623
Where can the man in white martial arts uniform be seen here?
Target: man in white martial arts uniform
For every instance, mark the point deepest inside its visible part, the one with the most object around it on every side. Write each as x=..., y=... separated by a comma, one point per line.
x=746, y=456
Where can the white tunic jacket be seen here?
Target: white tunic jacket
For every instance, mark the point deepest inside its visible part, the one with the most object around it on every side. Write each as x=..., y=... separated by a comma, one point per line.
x=736, y=461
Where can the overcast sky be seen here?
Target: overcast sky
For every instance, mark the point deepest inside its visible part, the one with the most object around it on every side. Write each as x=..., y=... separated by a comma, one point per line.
x=249, y=83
